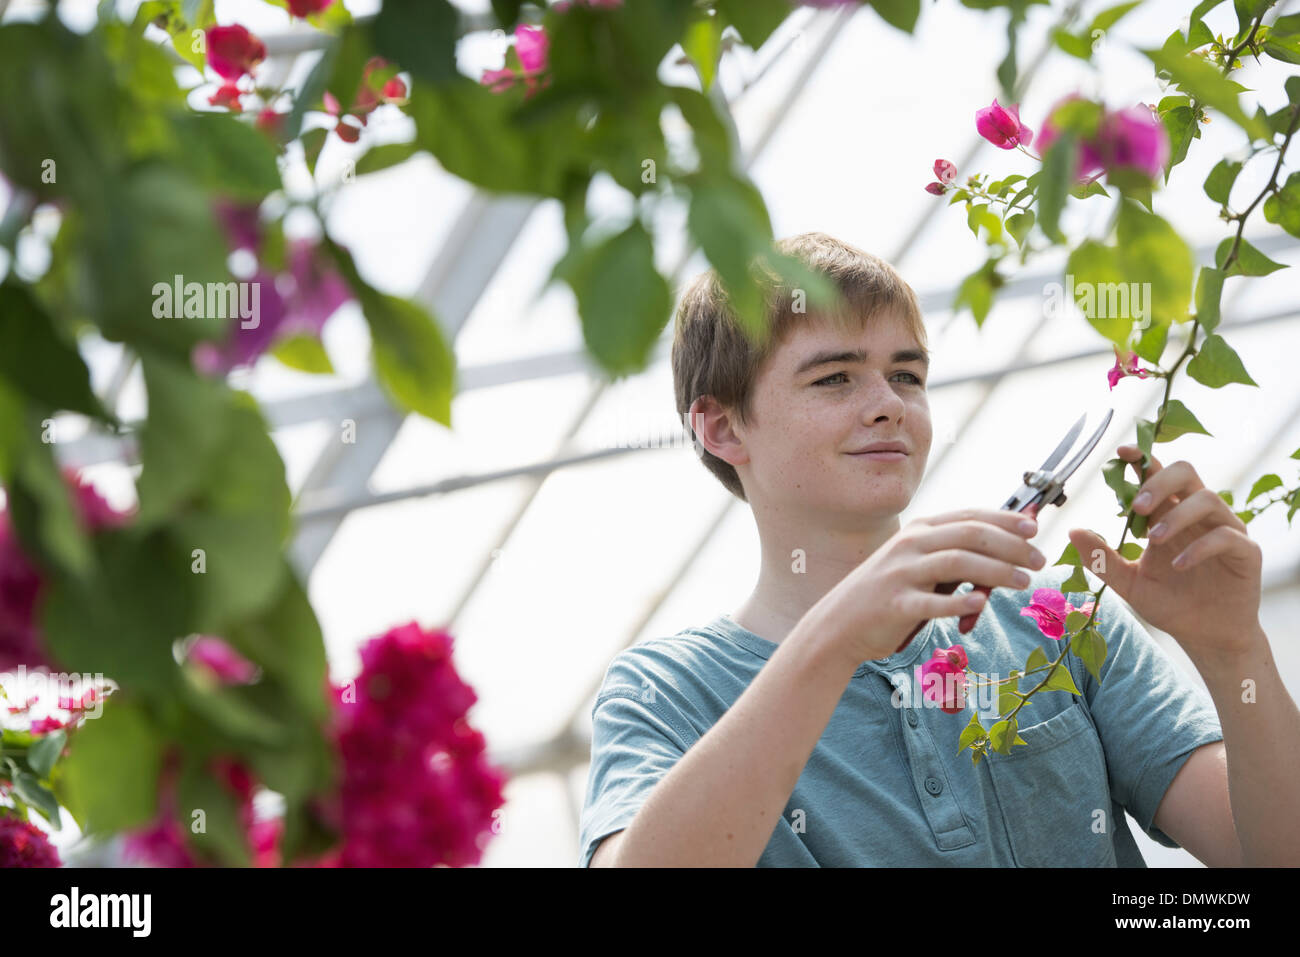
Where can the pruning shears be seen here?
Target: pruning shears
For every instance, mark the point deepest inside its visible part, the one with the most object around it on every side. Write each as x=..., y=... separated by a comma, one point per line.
x=1040, y=487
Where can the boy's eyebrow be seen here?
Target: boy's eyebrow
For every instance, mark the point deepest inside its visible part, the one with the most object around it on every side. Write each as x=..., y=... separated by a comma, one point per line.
x=856, y=355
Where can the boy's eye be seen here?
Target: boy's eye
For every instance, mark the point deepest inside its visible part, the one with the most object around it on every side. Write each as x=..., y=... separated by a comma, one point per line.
x=829, y=380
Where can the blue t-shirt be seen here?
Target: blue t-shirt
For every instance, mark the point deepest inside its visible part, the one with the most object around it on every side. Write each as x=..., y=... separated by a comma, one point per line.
x=885, y=784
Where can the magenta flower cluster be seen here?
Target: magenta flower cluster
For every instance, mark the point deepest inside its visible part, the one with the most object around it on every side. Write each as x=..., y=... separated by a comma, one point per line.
x=23, y=844
x=417, y=789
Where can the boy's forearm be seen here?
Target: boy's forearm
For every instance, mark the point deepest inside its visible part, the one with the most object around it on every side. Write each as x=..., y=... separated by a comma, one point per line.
x=720, y=803
x=1260, y=733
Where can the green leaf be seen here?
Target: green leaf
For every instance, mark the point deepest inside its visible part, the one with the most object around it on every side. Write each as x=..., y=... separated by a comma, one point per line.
x=303, y=352
x=1249, y=261
x=623, y=300
x=1264, y=484
x=1090, y=647
x=382, y=157
x=729, y=220
x=703, y=44
x=1178, y=421
x=971, y=733
x=1150, y=250
x=1209, y=290
x=35, y=358
x=1151, y=344
x=222, y=834
x=1097, y=271
x=756, y=20
x=1008, y=697
x=1000, y=733
x=980, y=215
x=45, y=752
x=1069, y=557
x=1113, y=472
x=226, y=155
x=1075, y=619
x=1216, y=364
x=1131, y=550
x=1146, y=437
x=412, y=359
x=976, y=292
x=1219, y=183
x=29, y=790
x=420, y=35
x=1181, y=126
x=313, y=141
x=1194, y=75
x=1076, y=582
x=902, y=14
x=1060, y=168
x=1037, y=658
x=110, y=776
x=122, y=621
x=1060, y=680
x=1283, y=207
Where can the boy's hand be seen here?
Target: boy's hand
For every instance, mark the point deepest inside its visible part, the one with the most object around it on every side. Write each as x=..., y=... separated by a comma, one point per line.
x=1211, y=604
x=878, y=604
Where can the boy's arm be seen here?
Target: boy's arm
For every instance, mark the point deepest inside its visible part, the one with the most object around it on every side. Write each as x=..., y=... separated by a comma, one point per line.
x=1254, y=762
x=720, y=803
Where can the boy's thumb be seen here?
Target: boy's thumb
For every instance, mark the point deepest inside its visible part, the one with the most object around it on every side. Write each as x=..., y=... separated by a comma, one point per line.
x=1090, y=545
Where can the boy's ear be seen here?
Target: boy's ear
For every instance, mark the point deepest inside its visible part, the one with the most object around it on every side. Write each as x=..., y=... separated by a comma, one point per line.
x=712, y=424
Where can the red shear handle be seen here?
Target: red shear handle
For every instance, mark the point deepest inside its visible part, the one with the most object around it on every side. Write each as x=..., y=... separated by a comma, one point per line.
x=968, y=621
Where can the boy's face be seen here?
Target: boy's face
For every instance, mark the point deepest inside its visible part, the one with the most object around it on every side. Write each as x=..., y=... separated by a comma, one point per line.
x=808, y=420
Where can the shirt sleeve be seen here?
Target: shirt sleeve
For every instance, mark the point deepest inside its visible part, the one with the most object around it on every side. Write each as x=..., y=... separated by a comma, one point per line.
x=637, y=735
x=1150, y=714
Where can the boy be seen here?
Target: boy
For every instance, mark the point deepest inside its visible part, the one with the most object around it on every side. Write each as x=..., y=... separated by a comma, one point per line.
x=782, y=735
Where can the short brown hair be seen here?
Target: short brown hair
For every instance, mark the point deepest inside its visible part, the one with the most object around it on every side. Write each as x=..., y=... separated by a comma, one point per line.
x=712, y=355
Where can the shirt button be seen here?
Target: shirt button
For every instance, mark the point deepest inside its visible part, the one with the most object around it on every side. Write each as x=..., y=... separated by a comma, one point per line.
x=911, y=717
x=933, y=785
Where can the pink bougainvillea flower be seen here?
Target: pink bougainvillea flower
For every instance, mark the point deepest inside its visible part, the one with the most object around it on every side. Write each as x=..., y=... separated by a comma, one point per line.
x=531, y=46
x=417, y=788
x=46, y=725
x=1135, y=138
x=300, y=301
x=943, y=678
x=945, y=175
x=227, y=95
x=21, y=584
x=1125, y=365
x=394, y=91
x=1050, y=609
x=346, y=131
x=222, y=661
x=1001, y=126
x=304, y=8
x=163, y=844
x=240, y=223
x=23, y=844
x=1132, y=138
x=233, y=51
x=498, y=80
x=269, y=121
x=87, y=699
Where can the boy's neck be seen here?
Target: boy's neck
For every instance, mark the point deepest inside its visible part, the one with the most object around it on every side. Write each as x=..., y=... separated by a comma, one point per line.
x=790, y=582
